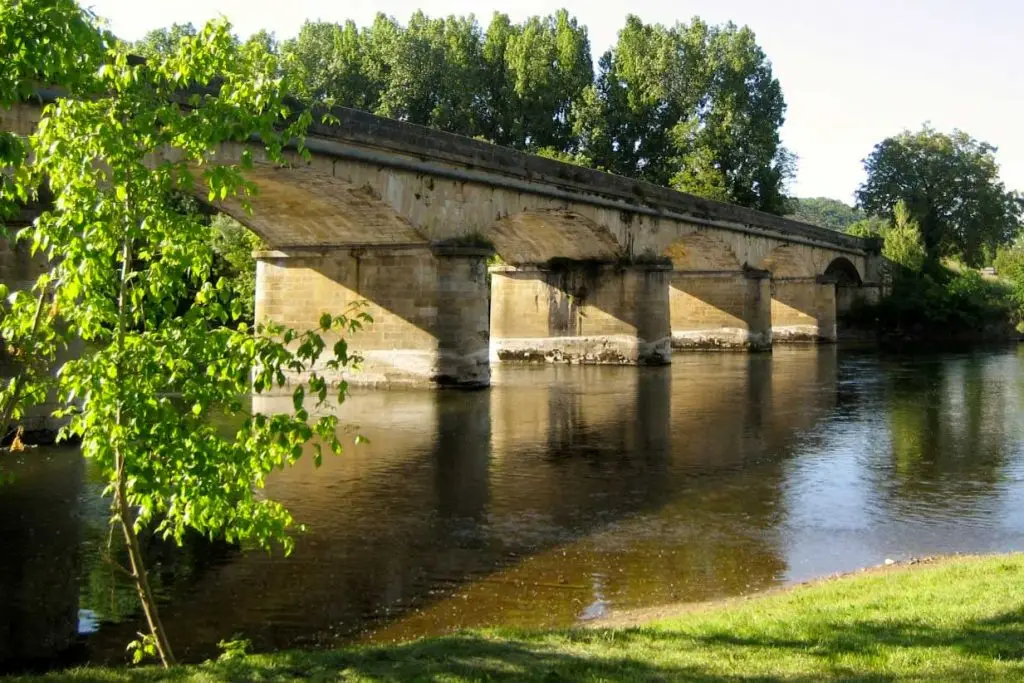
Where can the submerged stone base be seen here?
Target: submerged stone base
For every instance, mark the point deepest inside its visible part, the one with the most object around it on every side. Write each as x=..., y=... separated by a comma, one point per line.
x=596, y=350
x=722, y=339
x=405, y=367
x=803, y=334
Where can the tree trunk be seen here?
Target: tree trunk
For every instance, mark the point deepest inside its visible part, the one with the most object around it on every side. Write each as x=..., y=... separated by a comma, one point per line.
x=122, y=508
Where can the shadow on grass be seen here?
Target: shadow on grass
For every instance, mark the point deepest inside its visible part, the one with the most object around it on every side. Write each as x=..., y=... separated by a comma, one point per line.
x=463, y=657
x=640, y=654
x=996, y=638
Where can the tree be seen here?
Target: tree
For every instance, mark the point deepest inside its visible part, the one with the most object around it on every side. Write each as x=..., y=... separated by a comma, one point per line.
x=163, y=41
x=827, y=213
x=696, y=107
x=903, y=243
x=624, y=120
x=547, y=65
x=951, y=187
x=428, y=71
x=513, y=85
x=233, y=244
x=122, y=254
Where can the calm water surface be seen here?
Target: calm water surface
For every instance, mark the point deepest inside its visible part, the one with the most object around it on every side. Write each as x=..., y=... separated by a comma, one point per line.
x=565, y=492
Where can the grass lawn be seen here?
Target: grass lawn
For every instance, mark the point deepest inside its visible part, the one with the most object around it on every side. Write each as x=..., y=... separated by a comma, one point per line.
x=957, y=619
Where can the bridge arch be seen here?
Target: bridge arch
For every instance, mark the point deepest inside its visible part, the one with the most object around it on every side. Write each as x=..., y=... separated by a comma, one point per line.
x=699, y=251
x=302, y=207
x=790, y=261
x=538, y=236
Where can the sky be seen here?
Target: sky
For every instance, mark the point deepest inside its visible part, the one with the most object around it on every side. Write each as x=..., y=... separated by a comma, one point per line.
x=853, y=73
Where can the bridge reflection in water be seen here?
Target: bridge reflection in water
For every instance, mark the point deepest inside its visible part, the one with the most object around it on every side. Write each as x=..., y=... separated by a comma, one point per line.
x=563, y=492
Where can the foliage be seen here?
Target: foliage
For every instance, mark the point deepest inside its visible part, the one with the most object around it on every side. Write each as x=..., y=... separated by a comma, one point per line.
x=327, y=65
x=232, y=245
x=903, y=245
x=868, y=227
x=938, y=303
x=163, y=41
x=578, y=159
x=42, y=42
x=693, y=106
x=512, y=84
x=827, y=213
x=122, y=254
x=950, y=620
x=951, y=186
x=236, y=648
x=1009, y=264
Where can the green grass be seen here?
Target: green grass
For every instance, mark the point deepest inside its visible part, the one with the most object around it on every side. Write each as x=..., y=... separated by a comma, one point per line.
x=958, y=619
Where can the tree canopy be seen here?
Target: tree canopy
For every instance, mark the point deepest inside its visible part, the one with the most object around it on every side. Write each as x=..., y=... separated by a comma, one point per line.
x=693, y=106
x=951, y=186
x=825, y=212
x=512, y=84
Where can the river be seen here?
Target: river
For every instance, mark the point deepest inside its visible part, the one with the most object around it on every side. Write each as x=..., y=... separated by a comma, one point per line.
x=561, y=494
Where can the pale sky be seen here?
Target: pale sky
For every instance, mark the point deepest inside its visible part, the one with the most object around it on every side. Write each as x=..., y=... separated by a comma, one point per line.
x=853, y=72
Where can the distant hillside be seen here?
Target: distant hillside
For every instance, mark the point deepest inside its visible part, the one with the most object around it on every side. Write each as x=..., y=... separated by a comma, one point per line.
x=828, y=213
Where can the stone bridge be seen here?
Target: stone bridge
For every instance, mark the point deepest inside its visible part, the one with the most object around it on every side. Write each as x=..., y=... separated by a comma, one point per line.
x=470, y=254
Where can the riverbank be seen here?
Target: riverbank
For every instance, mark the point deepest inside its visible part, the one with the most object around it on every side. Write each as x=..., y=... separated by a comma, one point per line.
x=953, y=619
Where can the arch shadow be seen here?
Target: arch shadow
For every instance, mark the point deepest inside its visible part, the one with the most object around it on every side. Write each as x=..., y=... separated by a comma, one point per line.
x=843, y=272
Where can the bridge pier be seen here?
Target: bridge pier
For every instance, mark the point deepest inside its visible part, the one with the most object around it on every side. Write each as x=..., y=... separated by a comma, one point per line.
x=428, y=304
x=803, y=310
x=721, y=310
x=581, y=312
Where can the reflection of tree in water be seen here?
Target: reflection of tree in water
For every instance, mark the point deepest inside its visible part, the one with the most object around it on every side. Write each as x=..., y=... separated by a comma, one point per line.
x=948, y=427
